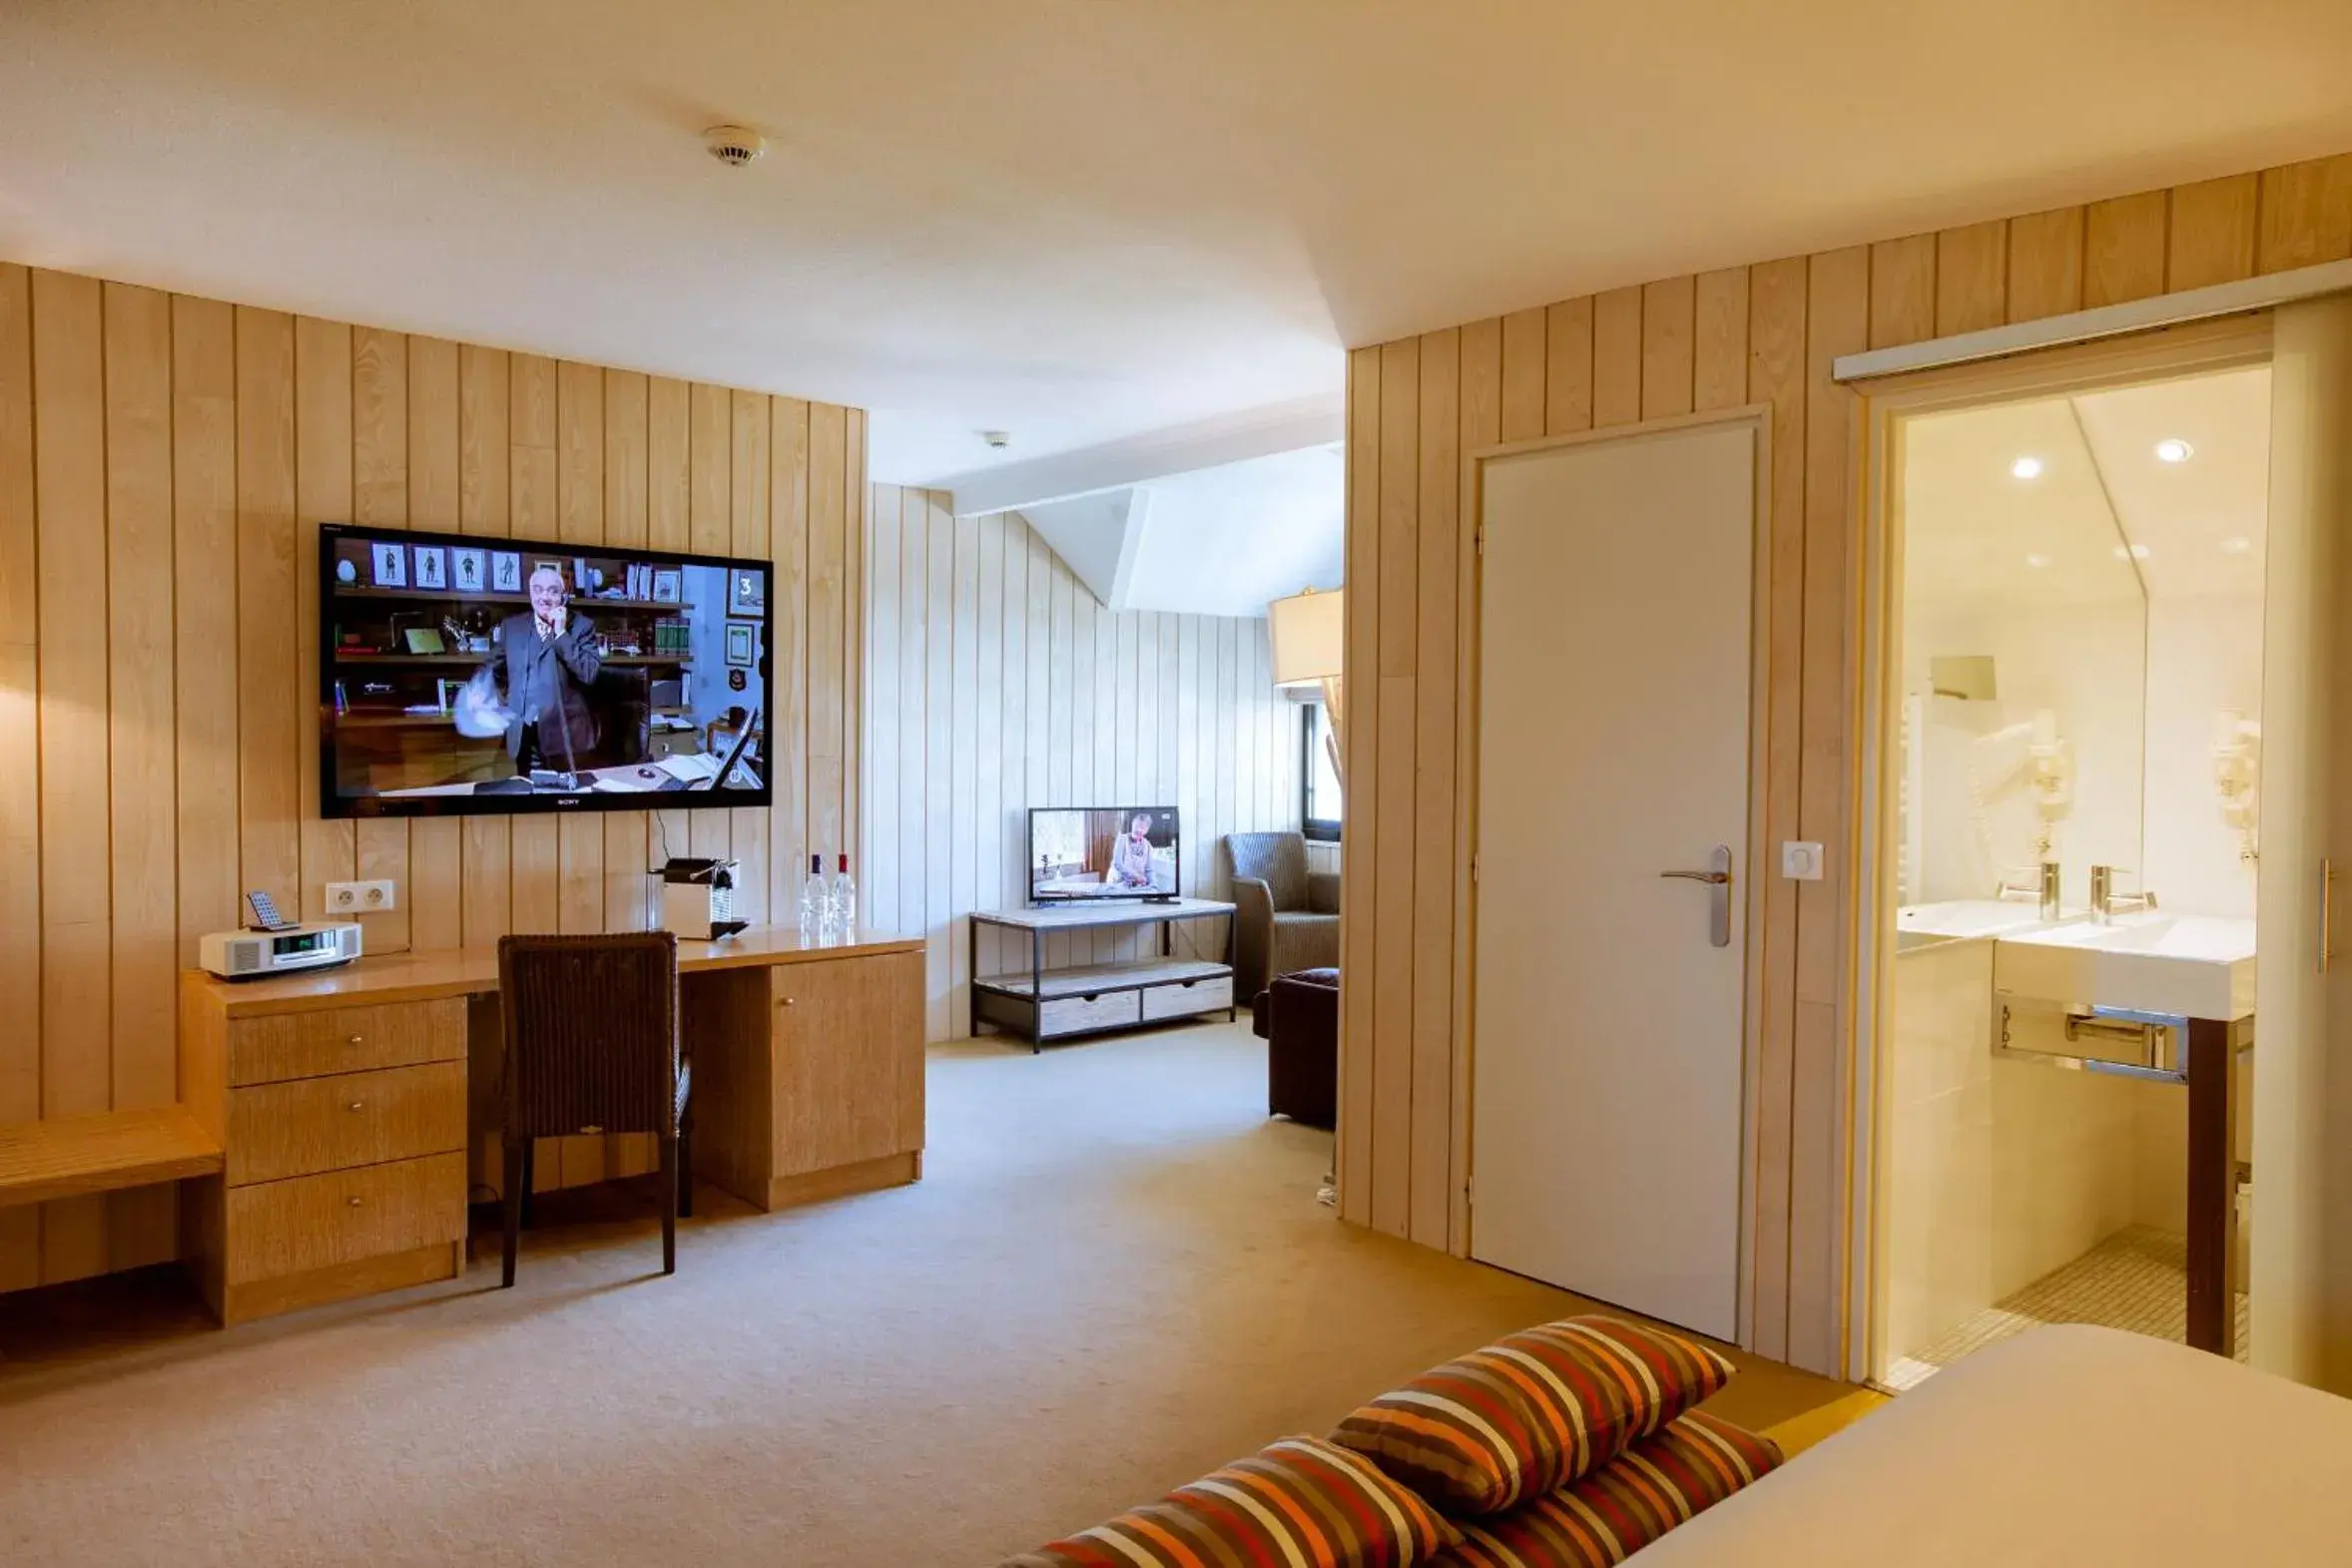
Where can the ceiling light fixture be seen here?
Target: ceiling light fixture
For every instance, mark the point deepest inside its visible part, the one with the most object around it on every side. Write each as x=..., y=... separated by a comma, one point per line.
x=2025, y=468
x=2172, y=449
x=2037, y=559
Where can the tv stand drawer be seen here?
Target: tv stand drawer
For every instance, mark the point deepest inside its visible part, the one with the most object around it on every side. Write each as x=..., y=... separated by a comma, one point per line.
x=1186, y=997
x=1080, y=1014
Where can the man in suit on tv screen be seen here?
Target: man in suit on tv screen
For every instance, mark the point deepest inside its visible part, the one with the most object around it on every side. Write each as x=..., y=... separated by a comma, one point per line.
x=545, y=658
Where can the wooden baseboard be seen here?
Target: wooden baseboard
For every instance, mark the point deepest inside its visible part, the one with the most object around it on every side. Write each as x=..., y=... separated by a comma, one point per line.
x=865, y=1176
x=341, y=1282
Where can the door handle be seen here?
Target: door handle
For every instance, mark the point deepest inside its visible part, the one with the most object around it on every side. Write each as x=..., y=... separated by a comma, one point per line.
x=1718, y=877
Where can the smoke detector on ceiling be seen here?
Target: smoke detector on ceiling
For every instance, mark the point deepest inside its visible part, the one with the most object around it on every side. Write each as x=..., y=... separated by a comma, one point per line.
x=733, y=145
x=997, y=441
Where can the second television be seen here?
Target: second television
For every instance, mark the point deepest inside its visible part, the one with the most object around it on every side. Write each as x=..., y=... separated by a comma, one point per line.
x=1092, y=852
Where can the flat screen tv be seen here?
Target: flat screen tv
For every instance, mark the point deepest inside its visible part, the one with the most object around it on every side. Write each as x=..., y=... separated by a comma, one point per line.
x=1087, y=853
x=459, y=673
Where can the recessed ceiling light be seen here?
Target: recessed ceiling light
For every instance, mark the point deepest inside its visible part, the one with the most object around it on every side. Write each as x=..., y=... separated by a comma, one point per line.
x=2037, y=559
x=2137, y=552
x=2172, y=449
x=2025, y=468
x=2236, y=545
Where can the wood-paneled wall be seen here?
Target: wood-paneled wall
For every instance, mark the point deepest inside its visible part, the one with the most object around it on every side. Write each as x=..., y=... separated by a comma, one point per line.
x=1751, y=334
x=997, y=681
x=165, y=461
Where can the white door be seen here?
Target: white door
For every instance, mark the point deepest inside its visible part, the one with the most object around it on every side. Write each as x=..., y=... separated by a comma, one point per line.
x=1614, y=669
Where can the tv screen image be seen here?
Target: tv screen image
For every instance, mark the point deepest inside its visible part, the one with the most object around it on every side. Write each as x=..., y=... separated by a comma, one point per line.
x=465, y=674
x=1128, y=851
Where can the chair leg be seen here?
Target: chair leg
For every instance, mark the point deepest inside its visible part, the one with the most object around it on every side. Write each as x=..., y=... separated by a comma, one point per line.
x=686, y=1166
x=530, y=1148
x=668, y=1181
x=515, y=1181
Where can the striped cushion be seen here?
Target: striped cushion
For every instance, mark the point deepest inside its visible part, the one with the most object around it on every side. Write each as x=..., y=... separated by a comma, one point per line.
x=1626, y=1504
x=1299, y=1502
x=1532, y=1411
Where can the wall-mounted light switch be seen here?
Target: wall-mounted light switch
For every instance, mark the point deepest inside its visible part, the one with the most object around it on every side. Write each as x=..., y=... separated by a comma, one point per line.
x=1800, y=863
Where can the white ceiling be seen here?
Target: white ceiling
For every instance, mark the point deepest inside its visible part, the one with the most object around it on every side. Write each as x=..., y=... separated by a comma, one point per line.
x=1216, y=541
x=1077, y=219
x=2105, y=519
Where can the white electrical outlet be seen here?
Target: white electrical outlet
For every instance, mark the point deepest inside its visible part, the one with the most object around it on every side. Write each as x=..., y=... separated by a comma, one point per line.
x=373, y=897
x=1800, y=863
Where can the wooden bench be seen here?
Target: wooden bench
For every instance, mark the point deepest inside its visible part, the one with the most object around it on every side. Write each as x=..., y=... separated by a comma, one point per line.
x=73, y=1156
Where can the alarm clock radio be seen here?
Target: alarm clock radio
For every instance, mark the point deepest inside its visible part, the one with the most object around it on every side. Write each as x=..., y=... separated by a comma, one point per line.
x=251, y=955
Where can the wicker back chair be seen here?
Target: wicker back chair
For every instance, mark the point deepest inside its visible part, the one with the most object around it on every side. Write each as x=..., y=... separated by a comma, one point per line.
x=592, y=1047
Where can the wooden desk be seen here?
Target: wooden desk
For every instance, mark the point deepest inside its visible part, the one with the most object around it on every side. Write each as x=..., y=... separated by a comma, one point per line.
x=350, y=1104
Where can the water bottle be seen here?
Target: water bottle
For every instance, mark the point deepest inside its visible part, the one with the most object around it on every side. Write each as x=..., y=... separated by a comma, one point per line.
x=841, y=909
x=814, y=906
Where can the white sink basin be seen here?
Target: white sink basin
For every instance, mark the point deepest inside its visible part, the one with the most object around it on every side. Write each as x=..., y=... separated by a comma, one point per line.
x=1916, y=925
x=2198, y=966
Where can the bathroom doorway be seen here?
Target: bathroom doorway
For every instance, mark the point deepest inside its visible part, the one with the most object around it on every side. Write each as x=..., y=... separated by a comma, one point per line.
x=2060, y=949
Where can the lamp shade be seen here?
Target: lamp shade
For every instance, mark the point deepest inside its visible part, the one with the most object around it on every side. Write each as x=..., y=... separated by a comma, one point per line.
x=1309, y=633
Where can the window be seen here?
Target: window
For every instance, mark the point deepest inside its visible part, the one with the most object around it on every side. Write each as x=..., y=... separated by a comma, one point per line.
x=1319, y=782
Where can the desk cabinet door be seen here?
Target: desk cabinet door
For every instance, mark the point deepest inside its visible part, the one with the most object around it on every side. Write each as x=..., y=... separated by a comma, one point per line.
x=849, y=1060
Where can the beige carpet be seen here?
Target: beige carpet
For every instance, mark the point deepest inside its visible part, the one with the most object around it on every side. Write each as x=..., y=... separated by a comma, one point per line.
x=1114, y=1278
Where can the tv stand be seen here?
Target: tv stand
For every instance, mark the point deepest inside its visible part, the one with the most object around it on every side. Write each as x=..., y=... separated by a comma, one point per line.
x=1042, y=1004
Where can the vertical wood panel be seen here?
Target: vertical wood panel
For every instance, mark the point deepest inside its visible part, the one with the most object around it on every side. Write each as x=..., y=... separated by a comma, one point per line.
x=1392, y=694
x=323, y=493
x=1527, y=359
x=1837, y=322
x=380, y=498
x=204, y=663
x=2124, y=248
x=268, y=765
x=748, y=529
x=1431, y=1203
x=828, y=717
x=69, y=473
x=2212, y=233
x=1568, y=377
x=914, y=710
x=1776, y=376
x=1616, y=357
x=1971, y=277
x=2306, y=215
x=1903, y=290
x=142, y=1225
x=1719, y=352
x=1668, y=352
x=2045, y=265
x=788, y=542
x=20, y=739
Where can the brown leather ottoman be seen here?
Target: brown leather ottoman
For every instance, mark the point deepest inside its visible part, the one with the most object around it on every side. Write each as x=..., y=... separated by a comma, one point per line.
x=1298, y=1017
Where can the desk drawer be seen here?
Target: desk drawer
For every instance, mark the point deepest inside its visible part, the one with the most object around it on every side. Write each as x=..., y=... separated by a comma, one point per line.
x=346, y=1040
x=1187, y=997
x=1077, y=1014
x=316, y=1221
x=310, y=1125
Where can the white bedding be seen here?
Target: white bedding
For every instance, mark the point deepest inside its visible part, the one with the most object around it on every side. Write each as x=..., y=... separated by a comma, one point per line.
x=2065, y=1447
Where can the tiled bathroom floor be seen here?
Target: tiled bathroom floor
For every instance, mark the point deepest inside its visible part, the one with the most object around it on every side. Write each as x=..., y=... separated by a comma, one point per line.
x=2136, y=1279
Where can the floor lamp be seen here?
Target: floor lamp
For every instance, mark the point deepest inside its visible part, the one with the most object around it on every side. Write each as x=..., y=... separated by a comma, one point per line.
x=1309, y=634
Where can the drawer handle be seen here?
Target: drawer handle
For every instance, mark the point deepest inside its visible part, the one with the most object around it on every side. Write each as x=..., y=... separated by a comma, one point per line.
x=354, y=1200
x=356, y=1105
x=354, y=1040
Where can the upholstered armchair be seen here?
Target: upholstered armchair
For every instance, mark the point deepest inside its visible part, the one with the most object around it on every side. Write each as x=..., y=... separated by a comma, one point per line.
x=1287, y=917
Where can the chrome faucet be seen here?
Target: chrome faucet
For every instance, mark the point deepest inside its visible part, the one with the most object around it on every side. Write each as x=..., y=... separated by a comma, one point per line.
x=2106, y=904
x=2043, y=892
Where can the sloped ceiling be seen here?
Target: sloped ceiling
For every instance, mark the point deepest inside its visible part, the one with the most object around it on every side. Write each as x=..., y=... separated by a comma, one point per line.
x=1078, y=219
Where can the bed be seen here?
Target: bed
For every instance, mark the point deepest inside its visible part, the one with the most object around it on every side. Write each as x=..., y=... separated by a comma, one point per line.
x=2067, y=1445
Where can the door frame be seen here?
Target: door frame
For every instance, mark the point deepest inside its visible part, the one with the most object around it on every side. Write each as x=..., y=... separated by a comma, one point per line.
x=1880, y=404
x=1468, y=626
